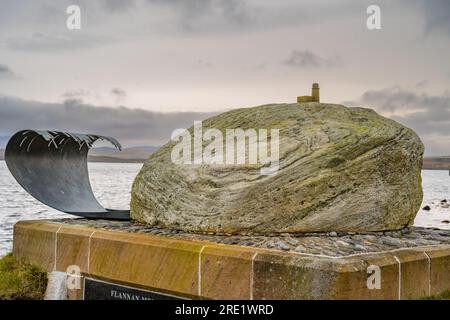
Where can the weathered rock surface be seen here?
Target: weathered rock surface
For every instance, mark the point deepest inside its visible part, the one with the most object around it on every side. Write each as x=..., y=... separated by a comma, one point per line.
x=341, y=169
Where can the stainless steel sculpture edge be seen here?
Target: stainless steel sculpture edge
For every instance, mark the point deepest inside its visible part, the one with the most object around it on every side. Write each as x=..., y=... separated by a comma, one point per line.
x=52, y=167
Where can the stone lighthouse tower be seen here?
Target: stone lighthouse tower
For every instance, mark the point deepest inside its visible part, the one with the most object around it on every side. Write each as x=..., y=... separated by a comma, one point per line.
x=315, y=93
x=314, y=97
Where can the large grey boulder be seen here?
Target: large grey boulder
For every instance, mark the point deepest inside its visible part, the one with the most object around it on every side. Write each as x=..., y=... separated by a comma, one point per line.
x=341, y=169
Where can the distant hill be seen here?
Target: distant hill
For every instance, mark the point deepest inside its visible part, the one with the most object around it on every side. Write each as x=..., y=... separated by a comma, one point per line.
x=113, y=159
x=436, y=163
x=107, y=154
x=133, y=154
x=429, y=163
x=140, y=154
x=128, y=153
x=3, y=141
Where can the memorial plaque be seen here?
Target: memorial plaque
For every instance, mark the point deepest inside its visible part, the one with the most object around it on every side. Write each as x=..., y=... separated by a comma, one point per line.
x=101, y=290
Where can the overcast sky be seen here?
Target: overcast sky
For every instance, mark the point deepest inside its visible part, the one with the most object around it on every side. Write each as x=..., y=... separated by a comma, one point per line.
x=205, y=56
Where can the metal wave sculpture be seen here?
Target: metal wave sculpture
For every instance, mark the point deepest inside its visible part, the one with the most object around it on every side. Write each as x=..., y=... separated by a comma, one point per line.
x=52, y=167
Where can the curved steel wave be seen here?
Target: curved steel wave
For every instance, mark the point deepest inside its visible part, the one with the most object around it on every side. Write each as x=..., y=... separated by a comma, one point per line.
x=52, y=167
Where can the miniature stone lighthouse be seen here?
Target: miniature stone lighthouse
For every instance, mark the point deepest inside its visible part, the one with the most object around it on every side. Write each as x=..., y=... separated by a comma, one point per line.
x=315, y=92
x=314, y=97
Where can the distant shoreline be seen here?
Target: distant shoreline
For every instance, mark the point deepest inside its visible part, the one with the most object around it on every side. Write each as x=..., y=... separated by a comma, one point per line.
x=429, y=163
x=113, y=160
x=111, y=155
x=436, y=163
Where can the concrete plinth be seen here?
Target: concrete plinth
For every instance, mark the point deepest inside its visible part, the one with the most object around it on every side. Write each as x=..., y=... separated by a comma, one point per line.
x=201, y=269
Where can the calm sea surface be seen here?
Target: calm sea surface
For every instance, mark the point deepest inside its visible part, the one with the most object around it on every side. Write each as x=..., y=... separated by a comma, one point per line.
x=112, y=182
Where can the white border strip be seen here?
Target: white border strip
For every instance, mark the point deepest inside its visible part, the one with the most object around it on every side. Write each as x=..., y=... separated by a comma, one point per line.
x=200, y=271
x=84, y=286
x=399, y=278
x=89, y=253
x=429, y=272
x=252, y=275
x=56, y=245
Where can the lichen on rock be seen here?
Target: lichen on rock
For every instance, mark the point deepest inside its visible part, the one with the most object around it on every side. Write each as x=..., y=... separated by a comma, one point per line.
x=340, y=169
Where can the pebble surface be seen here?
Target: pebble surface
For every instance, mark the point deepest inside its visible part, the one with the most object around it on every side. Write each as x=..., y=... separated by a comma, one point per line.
x=335, y=244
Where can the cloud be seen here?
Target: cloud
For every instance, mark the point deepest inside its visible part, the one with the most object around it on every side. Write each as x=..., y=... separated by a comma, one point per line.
x=75, y=94
x=233, y=10
x=308, y=59
x=131, y=126
x=400, y=100
x=119, y=94
x=118, y=5
x=144, y=16
x=437, y=15
x=6, y=72
x=55, y=42
x=422, y=84
x=194, y=15
x=428, y=115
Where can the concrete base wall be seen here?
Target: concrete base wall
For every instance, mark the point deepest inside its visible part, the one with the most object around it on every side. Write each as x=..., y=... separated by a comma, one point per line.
x=206, y=270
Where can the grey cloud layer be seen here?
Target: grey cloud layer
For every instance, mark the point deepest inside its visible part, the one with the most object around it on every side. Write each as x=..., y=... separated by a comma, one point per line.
x=308, y=59
x=6, y=72
x=75, y=94
x=437, y=15
x=233, y=10
x=428, y=115
x=60, y=41
x=181, y=16
x=98, y=19
x=118, y=5
x=130, y=126
x=119, y=93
